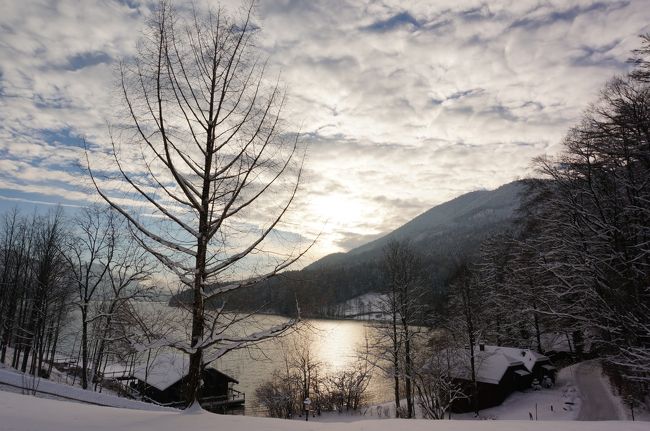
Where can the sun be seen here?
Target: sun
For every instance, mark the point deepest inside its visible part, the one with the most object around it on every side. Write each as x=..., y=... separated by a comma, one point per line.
x=334, y=215
x=338, y=212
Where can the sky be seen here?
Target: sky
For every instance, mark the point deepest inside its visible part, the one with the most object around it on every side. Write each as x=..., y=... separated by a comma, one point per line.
x=402, y=105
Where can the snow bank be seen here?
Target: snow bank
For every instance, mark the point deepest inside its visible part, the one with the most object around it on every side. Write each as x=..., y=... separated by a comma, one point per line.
x=22, y=413
x=13, y=381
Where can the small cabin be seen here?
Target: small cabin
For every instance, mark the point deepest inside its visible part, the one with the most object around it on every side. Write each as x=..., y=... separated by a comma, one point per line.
x=537, y=364
x=163, y=382
x=497, y=376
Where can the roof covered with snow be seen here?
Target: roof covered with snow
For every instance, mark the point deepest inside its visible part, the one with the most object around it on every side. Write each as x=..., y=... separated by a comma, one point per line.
x=491, y=365
x=527, y=356
x=166, y=369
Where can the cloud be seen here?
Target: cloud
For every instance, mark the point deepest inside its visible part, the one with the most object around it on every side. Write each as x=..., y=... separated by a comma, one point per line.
x=400, y=20
x=403, y=106
x=88, y=59
x=544, y=17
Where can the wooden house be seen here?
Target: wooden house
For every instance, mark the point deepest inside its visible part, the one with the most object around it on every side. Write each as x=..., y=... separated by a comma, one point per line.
x=497, y=376
x=537, y=364
x=164, y=380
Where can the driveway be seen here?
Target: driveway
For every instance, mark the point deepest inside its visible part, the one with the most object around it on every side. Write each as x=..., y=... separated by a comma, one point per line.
x=597, y=404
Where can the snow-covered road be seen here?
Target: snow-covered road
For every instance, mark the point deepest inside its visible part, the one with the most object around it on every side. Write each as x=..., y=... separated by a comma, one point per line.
x=597, y=401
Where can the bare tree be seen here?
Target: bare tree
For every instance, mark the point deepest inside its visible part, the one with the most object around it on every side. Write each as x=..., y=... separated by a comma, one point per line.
x=127, y=281
x=278, y=396
x=207, y=157
x=593, y=212
x=467, y=318
x=347, y=387
x=34, y=292
x=434, y=378
x=302, y=376
x=14, y=249
x=90, y=252
x=402, y=307
x=301, y=360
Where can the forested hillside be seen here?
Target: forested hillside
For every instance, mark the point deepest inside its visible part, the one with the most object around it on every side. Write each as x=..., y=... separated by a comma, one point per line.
x=443, y=236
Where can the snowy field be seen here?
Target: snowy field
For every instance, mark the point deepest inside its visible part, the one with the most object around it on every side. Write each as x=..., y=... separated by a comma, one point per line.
x=26, y=413
x=49, y=412
x=13, y=381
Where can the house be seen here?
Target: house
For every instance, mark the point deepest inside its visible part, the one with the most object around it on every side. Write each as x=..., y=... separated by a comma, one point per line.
x=163, y=382
x=497, y=376
x=537, y=364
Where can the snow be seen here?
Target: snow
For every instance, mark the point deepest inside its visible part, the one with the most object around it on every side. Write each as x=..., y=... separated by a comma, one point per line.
x=11, y=380
x=23, y=413
x=490, y=365
x=562, y=402
x=558, y=342
x=493, y=362
x=600, y=401
x=527, y=356
x=165, y=369
x=364, y=307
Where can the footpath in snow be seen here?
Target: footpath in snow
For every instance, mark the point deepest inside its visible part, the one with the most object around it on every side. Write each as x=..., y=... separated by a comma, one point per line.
x=599, y=403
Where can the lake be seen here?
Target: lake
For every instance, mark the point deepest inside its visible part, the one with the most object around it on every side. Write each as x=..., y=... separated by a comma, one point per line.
x=333, y=343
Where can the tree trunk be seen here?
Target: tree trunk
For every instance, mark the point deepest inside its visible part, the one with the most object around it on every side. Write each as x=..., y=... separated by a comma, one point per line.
x=84, y=346
x=196, y=358
x=54, y=343
x=538, y=334
x=396, y=365
x=407, y=378
x=472, y=362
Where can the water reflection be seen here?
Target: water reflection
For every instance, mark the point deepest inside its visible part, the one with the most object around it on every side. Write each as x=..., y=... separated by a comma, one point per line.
x=334, y=343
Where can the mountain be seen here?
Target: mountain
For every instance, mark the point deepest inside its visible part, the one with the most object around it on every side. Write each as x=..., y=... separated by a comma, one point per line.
x=446, y=232
x=457, y=226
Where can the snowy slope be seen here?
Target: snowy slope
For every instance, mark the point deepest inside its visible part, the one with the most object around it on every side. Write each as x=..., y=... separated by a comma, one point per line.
x=11, y=380
x=364, y=307
x=23, y=413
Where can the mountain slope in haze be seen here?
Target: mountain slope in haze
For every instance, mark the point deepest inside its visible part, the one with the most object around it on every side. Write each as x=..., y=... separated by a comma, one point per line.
x=455, y=226
x=443, y=234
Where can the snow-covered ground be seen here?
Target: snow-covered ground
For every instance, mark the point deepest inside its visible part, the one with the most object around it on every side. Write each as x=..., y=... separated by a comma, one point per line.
x=600, y=402
x=22, y=413
x=562, y=402
x=12, y=381
x=364, y=307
